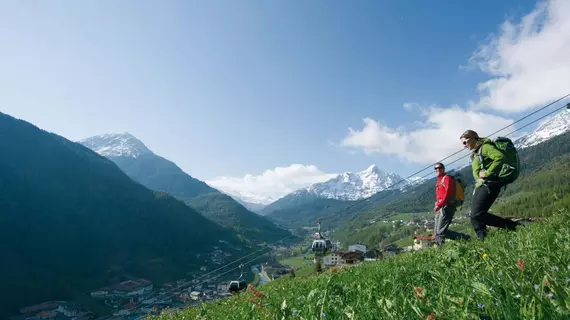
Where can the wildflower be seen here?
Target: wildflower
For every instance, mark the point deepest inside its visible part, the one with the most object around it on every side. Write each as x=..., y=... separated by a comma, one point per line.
x=419, y=292
x=491, y=289
x=568, y=280
x=295, y=312
x=536, y=286
x=518, y=296
x=431, y=316
x=323, y=315
x=555, y=268
x=520, y=264
x=551, y=295
x=545, y=281
x=485, y=256
x=480, y=305
x=511, y=242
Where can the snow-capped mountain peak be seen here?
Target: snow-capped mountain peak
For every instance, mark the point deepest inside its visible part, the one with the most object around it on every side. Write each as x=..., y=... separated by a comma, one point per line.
x=116, y=145
x=355, y=186
x=554, y=126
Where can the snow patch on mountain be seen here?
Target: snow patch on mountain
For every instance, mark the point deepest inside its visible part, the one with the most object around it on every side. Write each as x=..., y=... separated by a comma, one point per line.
x=351, y=186
x=116, y=145
x=554, y=126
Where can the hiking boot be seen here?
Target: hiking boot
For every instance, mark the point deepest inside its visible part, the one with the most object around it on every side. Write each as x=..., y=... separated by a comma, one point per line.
x=481, y=235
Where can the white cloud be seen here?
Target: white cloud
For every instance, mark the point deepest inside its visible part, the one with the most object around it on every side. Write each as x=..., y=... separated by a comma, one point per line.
x=528, y=62
x=437, y=137
x=271, y=184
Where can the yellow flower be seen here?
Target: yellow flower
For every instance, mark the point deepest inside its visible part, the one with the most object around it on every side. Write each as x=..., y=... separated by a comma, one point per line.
x=485, y=256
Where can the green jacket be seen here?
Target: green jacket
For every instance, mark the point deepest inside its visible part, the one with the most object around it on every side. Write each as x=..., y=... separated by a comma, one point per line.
x=493, y=160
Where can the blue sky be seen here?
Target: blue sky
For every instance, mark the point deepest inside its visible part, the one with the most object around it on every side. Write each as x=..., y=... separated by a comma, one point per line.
x=231, y=88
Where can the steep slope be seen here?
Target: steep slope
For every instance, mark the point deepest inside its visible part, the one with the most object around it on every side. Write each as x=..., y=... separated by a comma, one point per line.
x=72, y=221
x=158, y=173
x=514, y=275
x=253, y=207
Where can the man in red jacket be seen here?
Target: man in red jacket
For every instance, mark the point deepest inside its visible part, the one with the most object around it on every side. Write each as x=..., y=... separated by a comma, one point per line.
x=444, y=207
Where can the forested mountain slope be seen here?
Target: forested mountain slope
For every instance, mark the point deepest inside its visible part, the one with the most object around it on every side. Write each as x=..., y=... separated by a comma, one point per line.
x=71, y=221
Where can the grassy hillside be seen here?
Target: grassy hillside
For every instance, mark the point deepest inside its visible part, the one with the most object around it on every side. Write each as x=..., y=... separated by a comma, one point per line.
x=510, y=275
x=71, y=221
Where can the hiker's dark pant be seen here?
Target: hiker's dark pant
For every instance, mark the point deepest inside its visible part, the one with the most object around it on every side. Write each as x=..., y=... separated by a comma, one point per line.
x=442, y=222
x=483, y=198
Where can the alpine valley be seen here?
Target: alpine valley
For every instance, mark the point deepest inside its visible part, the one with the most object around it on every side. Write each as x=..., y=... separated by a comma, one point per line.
x=157, y=173
x=71, y=222
x=75, y=217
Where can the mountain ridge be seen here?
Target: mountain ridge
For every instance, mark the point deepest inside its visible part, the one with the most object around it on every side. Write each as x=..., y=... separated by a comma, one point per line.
x=57, y=201
x=161, y=174
x=347, y=186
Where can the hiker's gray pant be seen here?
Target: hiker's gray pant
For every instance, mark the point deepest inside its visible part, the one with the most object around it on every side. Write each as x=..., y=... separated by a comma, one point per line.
x=443, y=219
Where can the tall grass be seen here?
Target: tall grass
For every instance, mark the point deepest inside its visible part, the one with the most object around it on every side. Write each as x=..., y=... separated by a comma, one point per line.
x=510, y=275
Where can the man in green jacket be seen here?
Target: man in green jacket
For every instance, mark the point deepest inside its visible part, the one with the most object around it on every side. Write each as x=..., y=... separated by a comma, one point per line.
x=487, y=185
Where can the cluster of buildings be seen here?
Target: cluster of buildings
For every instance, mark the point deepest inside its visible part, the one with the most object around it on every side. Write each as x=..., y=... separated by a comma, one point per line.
x=53, y=310
x=357, y=253
x=138, y=296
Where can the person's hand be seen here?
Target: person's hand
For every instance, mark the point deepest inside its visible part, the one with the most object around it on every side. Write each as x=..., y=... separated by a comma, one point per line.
x=435, y=209
x=481, y=174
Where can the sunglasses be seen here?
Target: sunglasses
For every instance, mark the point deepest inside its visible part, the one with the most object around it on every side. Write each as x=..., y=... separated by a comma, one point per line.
x=437, y=168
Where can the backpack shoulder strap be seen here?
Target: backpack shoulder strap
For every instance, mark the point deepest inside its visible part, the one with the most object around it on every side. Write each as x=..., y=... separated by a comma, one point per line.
x=442, y=179
x=480, y=155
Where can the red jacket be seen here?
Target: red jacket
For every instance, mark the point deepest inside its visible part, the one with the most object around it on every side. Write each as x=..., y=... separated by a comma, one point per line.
x=444, y=190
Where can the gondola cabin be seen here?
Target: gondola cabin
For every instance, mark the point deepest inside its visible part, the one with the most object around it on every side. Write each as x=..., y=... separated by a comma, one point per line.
x=237, y=286
x=319, y=247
